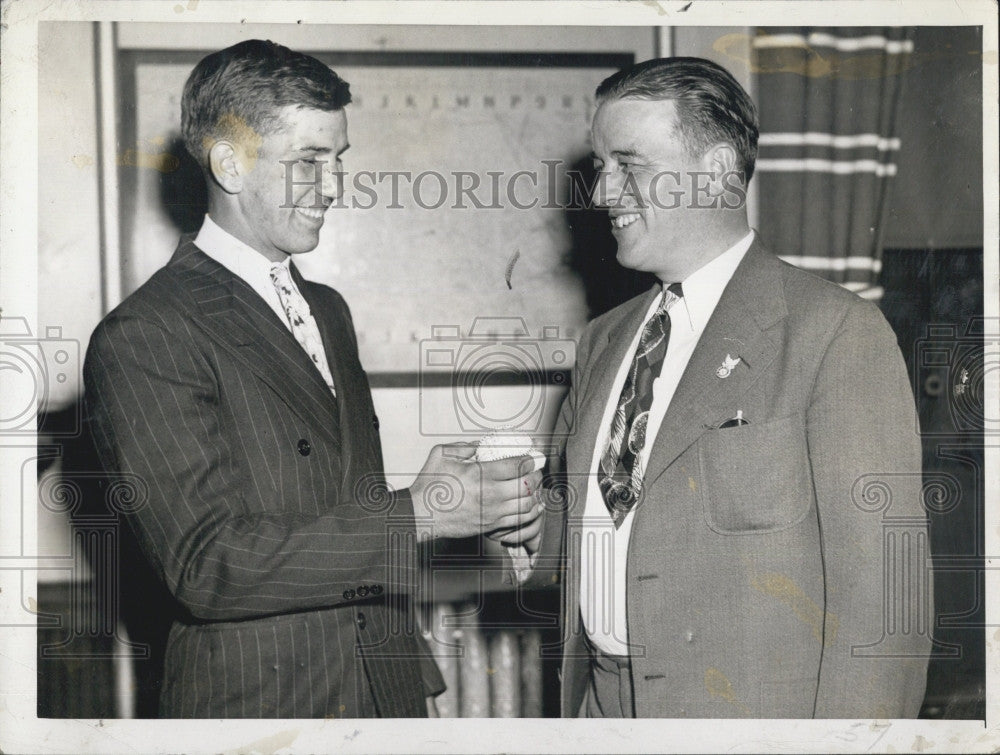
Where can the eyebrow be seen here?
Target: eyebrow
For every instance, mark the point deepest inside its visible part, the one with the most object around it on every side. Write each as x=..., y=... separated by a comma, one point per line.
x=324, y=150
x=627, y=152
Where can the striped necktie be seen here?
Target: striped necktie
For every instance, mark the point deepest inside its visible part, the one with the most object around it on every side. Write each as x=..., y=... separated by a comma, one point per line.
x=302, y=323
x=621, y=468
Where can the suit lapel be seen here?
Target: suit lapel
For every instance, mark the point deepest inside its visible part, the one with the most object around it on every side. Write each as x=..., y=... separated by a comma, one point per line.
x=611, y=345
x=739, y=327
x=233, y=315
x=331, y=331
x=360, y=446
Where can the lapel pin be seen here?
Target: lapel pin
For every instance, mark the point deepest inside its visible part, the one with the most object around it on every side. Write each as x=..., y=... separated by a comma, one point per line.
x=727, y=367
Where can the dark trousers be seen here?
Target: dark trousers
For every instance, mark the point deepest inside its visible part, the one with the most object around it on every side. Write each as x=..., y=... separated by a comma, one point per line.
x=609, y=692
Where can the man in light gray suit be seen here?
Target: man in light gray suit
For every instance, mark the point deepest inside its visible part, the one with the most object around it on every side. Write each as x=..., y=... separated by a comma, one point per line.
x=232, y=388
x=742, y=532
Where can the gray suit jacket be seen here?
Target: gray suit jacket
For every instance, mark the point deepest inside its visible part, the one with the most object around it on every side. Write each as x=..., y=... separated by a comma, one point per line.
x=264, y=509
x=779, y=569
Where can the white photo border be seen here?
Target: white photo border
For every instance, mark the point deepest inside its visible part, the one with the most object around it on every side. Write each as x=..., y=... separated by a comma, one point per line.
x=22, y=731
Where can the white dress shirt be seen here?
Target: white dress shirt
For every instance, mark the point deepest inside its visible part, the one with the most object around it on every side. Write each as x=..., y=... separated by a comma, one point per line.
x=244, y=261
x=604, y=551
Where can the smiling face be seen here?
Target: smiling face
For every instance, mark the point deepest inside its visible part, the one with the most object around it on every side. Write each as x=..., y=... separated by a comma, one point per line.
x=290, y=182
x=647, y=182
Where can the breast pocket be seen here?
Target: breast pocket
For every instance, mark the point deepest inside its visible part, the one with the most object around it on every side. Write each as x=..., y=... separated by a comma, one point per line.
x=755, y=478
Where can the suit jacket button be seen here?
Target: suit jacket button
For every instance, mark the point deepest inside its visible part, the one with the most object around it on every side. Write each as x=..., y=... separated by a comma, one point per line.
x=363, y=591
x=304, y=447
x=348, y=594
x=376, y=589
x=375, y=422
x=361, y=621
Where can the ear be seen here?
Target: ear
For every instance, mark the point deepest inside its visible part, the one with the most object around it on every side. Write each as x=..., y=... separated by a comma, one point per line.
x=720, y=161
x=225, y=167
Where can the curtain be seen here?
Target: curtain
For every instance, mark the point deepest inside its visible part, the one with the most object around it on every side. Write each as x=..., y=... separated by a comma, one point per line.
x=828, y=99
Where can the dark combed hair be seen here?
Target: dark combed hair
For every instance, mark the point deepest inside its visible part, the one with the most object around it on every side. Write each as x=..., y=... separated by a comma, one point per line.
x=712, y=107
x=241, y=90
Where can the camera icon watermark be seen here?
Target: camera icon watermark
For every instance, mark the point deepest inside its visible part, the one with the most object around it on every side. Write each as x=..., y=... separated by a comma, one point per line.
x=496, y=352
x=34, y=365
x=954, y=366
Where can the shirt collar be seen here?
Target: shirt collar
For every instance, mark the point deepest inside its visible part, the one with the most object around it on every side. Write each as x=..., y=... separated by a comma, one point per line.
x=232, y=253
x=704, y=287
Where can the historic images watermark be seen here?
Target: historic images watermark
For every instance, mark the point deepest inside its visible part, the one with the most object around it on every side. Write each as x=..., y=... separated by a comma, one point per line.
x=36, y=365
x=481, y=356
x=551, y=186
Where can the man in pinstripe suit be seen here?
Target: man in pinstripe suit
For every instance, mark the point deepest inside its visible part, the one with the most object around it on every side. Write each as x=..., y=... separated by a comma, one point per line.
x=232, y=388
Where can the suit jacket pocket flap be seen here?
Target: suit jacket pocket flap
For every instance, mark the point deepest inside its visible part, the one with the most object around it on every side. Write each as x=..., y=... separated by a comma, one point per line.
x=755, y=478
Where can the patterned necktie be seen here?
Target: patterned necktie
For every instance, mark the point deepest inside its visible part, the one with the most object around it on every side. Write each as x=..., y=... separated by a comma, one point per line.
x=621, y=469
x=303, y=324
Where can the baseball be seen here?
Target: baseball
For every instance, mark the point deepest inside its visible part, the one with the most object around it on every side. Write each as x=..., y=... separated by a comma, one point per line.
x=501, y=444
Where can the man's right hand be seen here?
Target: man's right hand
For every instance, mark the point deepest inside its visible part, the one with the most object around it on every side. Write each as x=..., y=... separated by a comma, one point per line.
x=465, y=497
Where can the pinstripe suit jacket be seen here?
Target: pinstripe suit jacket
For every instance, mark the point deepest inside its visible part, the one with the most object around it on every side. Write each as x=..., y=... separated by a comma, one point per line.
x=266, y=513
x=779, y=569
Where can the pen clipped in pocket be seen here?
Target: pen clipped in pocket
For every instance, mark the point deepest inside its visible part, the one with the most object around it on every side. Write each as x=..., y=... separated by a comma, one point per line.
x=755, y=477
